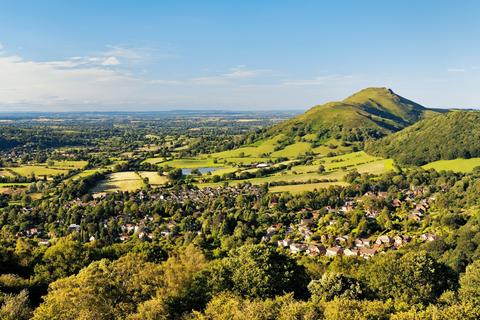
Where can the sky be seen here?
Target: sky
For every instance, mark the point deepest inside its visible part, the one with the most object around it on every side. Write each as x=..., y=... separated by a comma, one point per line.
x=88, y=55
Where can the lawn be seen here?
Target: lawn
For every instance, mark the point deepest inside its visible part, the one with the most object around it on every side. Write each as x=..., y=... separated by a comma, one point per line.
x=457, y=165
x=153, y=177
x=120, y=181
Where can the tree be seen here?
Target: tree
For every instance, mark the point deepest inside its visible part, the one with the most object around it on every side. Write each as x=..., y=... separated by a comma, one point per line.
x=256, y=271
x=16, y=307
x=175, y=174
x=414, y=277
x=335, y=285
x=470, y=284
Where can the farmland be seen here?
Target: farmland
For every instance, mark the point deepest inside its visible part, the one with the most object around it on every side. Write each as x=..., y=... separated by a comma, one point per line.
x=120, y=181
x=456, y=165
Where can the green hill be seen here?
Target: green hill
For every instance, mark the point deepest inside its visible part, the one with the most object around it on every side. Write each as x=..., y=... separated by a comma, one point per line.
x=377, y=110
x=448, y=136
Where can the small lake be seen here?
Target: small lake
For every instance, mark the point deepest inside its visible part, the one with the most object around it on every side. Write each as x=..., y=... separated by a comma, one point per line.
x=202, y=170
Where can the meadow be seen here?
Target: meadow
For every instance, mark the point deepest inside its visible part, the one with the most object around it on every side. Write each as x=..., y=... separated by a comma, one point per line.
x=457, y=165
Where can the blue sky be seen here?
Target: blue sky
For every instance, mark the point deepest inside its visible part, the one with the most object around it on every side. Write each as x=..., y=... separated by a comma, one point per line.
x=277, y=54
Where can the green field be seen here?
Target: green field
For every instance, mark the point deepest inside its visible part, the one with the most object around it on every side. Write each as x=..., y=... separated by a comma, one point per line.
x=457, y=165
x=293, y=150
x=153, y=177
x=192, y=163
x=120, y=181
x=37, y=170
x=69, y=164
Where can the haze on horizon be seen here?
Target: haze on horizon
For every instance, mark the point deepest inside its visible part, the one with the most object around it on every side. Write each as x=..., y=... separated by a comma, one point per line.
x=243, y=55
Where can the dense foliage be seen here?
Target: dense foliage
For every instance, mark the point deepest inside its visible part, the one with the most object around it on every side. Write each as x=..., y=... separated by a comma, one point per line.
x=447, y=136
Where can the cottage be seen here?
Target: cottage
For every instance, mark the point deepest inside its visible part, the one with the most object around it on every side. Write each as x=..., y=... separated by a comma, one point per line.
x=315, y=250
x=297, y=247
x=351, y=252
x=284, y=243
x=384, y=240
x=334, y=251
x=367, y=253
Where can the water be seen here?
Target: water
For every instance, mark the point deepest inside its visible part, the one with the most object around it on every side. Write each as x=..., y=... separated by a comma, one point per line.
x=202, y=170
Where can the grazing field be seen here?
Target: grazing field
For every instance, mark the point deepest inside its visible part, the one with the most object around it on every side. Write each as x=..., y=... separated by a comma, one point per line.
x=153, y=177
x=69, y=164
x=298, y=188
x=348, y=160
x=154, y=160
x=6, y=173
x=257, y=150
x=85, y=173
x=191, y=163
x=457, y=165
x=293, y=150
x=120, y=181
x=37, y=170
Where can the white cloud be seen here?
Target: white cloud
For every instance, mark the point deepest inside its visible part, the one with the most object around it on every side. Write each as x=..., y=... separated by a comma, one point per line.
x=110, y=61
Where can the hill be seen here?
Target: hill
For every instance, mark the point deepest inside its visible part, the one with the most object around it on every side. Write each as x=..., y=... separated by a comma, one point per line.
x=377, y=111
x=448, y=136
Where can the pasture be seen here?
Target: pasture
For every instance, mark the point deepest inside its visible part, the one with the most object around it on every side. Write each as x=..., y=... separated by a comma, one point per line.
x=153, y=177
x=456, y=165
x=120, y=181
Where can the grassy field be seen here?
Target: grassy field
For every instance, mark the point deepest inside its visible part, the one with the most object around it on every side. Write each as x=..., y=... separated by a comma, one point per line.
x=457, y=165
x=256, y=150
x=37, y=170
x=85, y=173
x=191, y=163
x=153, y=177
x=293, y=150
x=120, y=181
x=154, y=160
x=69, y=164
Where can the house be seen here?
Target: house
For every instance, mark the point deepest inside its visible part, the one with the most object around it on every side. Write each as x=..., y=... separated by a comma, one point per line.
x=367, y=253
x=315, y=250
x=362, y=243
x=387, y=240
x=414, y=216
x=262, y=165
x=401, y=240
x=297, y=247
x=429, y=237
x=73, y=227
x=334, y=251
x=351, y=252
x=284, y=243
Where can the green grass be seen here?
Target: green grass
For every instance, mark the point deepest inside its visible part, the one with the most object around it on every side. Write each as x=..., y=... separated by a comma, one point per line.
x=153, y=177
x=191, y=163
x=37, y=170
x=256, y=150
x=85, y=173
x=293, y=150
x=348, y=160
x=457, y=165
x=154, y=160
x=120, y=181
x=69, y=164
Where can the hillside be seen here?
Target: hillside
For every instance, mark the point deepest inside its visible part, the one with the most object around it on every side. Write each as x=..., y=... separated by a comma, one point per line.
x=378, y=110
x=448, y=136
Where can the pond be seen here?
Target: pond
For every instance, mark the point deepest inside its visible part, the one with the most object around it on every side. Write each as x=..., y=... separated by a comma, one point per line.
x=202, y=170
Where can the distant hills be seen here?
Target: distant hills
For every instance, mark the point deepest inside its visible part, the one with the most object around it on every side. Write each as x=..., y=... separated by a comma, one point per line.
x=378, y=110
x=455, y=134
